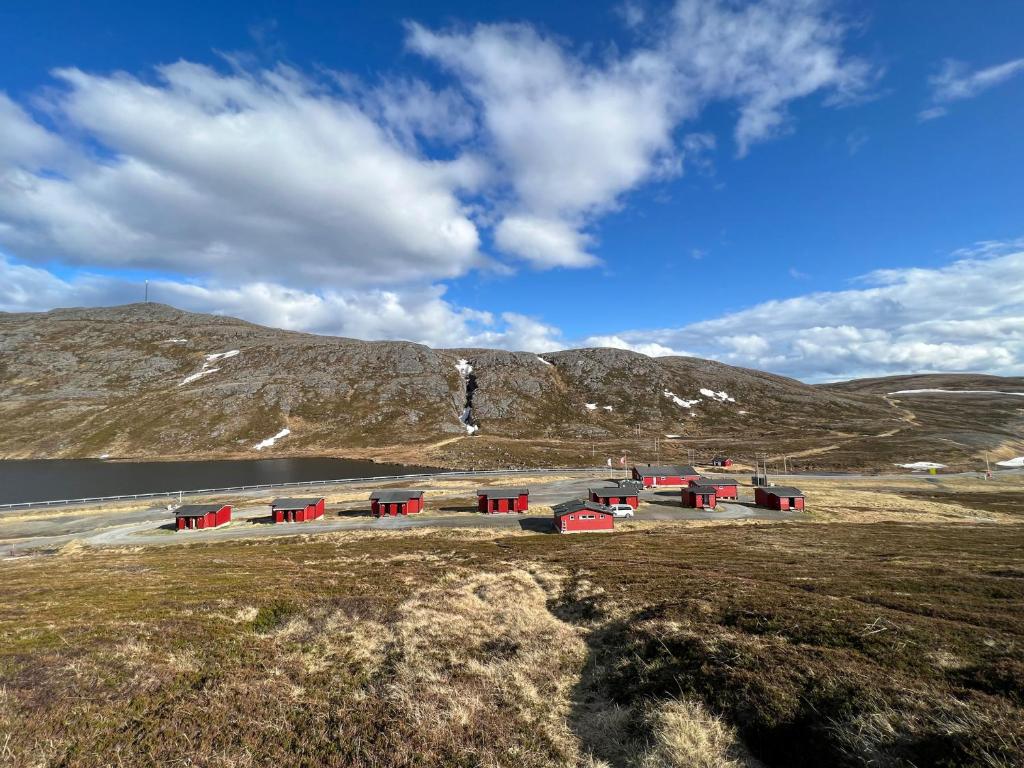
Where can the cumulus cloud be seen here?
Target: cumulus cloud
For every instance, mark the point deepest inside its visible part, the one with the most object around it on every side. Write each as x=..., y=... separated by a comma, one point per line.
x=903, y=320
x=956, y=81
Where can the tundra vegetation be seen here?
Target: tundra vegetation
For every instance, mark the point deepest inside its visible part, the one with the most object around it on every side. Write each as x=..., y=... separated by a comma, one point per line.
x=892, y=643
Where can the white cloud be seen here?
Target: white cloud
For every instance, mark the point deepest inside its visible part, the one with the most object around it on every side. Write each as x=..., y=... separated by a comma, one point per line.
x=651, y=349
x=207, y=174
x=956, y=81
x=967, y=316
x=545, y=242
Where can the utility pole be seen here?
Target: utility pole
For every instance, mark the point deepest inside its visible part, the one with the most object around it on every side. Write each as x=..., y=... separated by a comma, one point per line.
x=146, y=292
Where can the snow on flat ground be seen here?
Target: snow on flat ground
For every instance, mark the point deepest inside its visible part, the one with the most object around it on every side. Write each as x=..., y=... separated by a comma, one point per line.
x=922, y=465
x=682, y=403
x=271, y=440
x=1017, y=461
x=721, y=396
x=953, y=392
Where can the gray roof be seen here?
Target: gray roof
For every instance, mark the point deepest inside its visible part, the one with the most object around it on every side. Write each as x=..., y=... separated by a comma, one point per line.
x=705, y=480
x=782, y=490
x=502, y=493
x=702, y=489
x=395, y=495
x=576, y=505
x=613, y=491
x=197, y=510
x=296, y=503
x=629, y=483
x=667, y=471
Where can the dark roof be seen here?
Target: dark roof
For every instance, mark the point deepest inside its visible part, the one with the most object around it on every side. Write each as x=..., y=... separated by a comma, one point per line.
x=296, y=503
x=702, y=489
x=576, y=505
x=615, y=490
x=629, y=483
x=669, y=471
x=394, y=495
x=782, y=490
x=197, y=510
x=705, y=480
x=502, y=493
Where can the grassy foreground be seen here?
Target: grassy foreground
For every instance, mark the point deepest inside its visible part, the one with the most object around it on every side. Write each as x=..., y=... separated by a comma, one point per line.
x=783, y=645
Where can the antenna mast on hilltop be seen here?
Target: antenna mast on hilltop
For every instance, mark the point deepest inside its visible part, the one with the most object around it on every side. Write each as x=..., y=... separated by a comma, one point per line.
x=146, y=292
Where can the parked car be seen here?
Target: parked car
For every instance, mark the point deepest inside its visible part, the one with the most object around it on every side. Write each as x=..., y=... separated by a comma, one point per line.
x=621, y=510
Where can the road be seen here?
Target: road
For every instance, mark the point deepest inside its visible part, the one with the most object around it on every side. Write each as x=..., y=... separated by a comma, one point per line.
x=51, y=529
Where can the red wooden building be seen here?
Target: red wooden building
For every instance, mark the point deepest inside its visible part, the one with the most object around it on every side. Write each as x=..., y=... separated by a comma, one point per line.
x=396, y=502
x=296, y=510
x=725, y=487
x=652, y=476
x=615, y=495
x=579, y=515
x=778, y=497
x=700, y=497
x=721, y=461
x=503, y=499
x=193, y=516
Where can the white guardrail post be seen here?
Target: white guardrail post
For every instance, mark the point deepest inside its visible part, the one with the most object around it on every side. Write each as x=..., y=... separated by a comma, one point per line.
x=292, y=484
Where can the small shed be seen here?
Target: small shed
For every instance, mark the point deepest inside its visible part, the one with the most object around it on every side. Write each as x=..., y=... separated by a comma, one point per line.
x=726, y=487
x=654, y=476
x=630, y=485
x=779, y=497
x=192, y=516
x=579, y=515
x=700, y=497
x=503, y=499
x=296, y=510
x=396, y=501
x=615, y=495
x=721, y=461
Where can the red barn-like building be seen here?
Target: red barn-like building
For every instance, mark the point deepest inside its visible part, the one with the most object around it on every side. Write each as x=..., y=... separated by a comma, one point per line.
x=503, y=499
x=296, y=510
x=615, y=495
x=779, y=497
x=396, y=502
x=579, y=515
x=721, y=461
x=668, y=475
x=700, y=497
x=192, y=516
x=725, y=487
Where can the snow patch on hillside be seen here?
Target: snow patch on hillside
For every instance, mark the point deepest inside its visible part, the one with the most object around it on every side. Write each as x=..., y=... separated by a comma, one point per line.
x=206, y=370
x=197, y=375
x=271, y=440
x=590, y=406
x=222, y=355
x=682, y=403
x=1017, y=461
x=607, y=407
x=544, y=361
x=922, y=465
x=174, y=341
x=721, y=396
x=464, y=367
x=953, y=392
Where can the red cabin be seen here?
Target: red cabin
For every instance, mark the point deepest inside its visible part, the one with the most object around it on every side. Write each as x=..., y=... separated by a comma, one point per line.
x=296, y=510
x=670, y=475
x=778, y=497
x=725, y=487
x=192, y=516
x=615, y=495
x=396, y=502
x=700, y=497
x=721, y=461
x=578, y=515
x=503, y=499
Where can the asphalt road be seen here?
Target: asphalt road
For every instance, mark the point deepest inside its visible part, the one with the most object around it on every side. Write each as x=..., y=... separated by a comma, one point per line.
x=51, y=529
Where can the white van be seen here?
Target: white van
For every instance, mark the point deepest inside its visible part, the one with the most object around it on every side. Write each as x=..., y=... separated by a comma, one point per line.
x=621, y=510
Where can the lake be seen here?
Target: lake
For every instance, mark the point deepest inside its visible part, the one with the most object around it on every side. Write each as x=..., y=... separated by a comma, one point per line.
x=55, y=479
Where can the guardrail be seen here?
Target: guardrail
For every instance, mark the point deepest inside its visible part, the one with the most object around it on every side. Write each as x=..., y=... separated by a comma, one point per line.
x=293, y=484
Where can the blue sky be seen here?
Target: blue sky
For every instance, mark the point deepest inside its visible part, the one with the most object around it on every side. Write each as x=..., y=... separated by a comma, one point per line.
x=821, y=189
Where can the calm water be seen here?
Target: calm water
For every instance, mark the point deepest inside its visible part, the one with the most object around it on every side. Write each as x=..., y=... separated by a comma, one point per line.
x=55, y=479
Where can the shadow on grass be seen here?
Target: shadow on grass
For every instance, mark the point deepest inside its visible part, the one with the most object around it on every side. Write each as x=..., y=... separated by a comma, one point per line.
x=538, y=525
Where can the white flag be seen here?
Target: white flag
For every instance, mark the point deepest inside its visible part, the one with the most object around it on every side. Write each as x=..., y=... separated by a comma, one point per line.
x=609, y=462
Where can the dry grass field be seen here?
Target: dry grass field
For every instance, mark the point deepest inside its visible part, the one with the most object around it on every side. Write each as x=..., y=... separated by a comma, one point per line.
x=844, y=643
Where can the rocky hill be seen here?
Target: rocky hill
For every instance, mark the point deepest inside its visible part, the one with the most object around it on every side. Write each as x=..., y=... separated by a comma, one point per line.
x=148, y=380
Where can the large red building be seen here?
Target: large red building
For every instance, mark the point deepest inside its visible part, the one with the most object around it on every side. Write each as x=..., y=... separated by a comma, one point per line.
x=653, y=476
x=579, y=515
x=700, y=497
x=396, y=501
x=296, y=510
x=503, y=499
x=725, y=487
x=615, y=495
x=192, y=516
x=779, y=497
